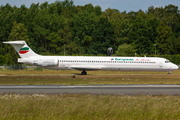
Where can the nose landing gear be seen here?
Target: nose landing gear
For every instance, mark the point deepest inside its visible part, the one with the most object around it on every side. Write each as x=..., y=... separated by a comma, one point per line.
x=169, y=73
x=83, y=72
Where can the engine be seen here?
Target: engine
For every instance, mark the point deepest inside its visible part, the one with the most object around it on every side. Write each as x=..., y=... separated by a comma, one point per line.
x=46, y=62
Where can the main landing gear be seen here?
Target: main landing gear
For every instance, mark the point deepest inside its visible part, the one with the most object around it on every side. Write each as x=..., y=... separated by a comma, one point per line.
x=83, y=72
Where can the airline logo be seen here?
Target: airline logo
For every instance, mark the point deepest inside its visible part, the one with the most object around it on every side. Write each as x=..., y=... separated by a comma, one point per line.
x=112, y=58
x=24, y=50
x=122, y=59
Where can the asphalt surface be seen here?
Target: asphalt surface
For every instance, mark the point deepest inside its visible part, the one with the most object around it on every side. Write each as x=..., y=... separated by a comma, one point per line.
x=92, y=89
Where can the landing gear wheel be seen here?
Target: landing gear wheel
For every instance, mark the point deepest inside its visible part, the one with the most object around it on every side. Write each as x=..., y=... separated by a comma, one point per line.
x=83, y=73
x=169, y=73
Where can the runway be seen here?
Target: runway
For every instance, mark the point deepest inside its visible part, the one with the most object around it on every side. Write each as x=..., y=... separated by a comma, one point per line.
x=92, y=89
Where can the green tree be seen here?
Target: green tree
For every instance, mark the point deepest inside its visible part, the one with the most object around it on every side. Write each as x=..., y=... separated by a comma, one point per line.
x=55, y=43
x=171, y=18
x=108, y=13
x=123, y=32
x=86, y=42
x=176, y=40
x=164, y=39
x=125, y=50
x=143, y=34
x=168, y=14
x=89, y=8
x=103, y=37
x=10, y=59
x=176, y=44
x=2, y=60
x=18, y=32
x=98, y=10
x=72, y=48
x=82, y=27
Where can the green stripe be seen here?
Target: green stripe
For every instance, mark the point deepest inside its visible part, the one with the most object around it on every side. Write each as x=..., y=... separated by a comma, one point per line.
x=24, y=48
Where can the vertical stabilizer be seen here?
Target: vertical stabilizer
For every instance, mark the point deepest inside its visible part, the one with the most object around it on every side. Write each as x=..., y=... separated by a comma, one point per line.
x=22, y=49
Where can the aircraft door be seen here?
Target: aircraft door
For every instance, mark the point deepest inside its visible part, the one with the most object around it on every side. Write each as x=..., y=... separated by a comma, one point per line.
x=61, y=65
x=160, y=64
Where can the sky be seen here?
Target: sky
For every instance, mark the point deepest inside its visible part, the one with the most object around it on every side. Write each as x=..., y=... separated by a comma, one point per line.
x=121, y=5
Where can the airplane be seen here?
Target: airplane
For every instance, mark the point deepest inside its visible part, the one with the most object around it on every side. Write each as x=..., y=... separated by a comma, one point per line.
x=83, y=63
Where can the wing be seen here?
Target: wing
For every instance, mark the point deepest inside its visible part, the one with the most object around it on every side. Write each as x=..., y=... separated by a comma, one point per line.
x=87, y=68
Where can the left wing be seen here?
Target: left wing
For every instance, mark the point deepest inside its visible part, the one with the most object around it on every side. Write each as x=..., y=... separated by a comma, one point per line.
x=85, y=67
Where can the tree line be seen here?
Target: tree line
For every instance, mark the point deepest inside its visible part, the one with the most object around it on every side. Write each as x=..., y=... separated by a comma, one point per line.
x=87, y=30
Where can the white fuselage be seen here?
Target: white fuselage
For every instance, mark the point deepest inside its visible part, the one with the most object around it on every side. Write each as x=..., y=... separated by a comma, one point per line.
x=82, y=63
x=101, y=63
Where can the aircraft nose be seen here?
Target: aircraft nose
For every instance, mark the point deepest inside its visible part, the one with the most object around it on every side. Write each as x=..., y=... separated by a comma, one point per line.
x=175, y=67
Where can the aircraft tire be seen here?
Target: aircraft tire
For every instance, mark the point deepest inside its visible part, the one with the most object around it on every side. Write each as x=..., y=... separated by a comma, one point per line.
x=83, y=73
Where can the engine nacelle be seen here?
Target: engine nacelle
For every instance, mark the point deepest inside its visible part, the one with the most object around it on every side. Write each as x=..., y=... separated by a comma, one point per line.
x=46, y=62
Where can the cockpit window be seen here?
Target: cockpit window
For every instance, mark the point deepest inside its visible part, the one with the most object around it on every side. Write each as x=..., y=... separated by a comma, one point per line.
x=167, y=61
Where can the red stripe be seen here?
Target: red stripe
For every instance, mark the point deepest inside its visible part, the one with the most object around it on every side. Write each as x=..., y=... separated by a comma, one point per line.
x=23, y=52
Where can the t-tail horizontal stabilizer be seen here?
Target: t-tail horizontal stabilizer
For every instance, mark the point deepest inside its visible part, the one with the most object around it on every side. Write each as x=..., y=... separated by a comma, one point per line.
x=22, y=49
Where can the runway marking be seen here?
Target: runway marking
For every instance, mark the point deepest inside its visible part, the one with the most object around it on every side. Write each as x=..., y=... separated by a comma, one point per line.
x=84, y=86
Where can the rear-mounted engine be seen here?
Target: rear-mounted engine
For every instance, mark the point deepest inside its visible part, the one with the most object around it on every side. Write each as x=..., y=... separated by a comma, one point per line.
x=46, y=62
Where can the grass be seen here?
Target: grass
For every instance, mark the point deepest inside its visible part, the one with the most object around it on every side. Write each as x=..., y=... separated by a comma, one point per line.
x=89, y=107
x=88, y=79
x=73, y=72
x=70, y=77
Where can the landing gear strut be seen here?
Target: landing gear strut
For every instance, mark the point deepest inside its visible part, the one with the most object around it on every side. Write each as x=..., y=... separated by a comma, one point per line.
x=169, y=73
x=83, y=72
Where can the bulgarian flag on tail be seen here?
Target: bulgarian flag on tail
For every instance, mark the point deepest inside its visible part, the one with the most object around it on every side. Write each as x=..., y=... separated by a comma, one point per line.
x=24, y=50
